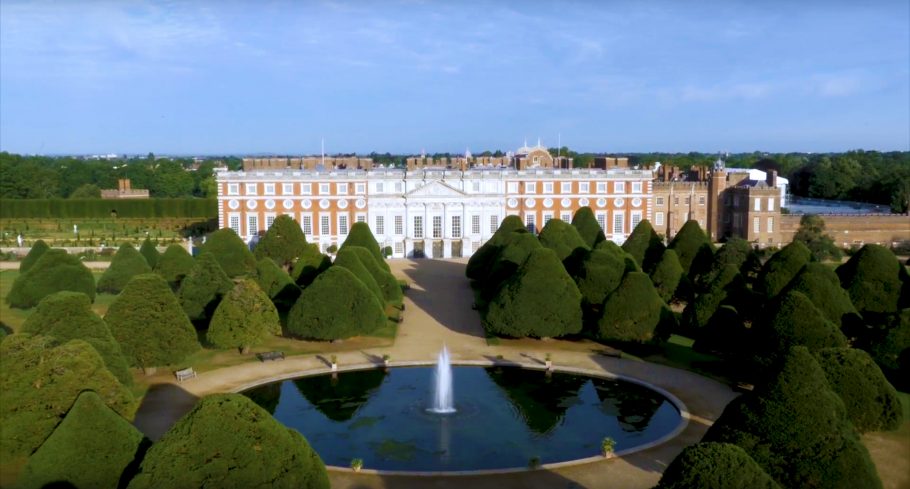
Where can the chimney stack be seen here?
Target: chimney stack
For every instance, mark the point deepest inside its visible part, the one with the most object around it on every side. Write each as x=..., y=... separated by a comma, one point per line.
x=772, y=178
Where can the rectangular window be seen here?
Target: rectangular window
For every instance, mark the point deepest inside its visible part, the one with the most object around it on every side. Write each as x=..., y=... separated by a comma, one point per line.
x=380, y=224
x=287, y=189
x=399, y=225
x=342, y=224
x=494, y=223
x=512, y=187
x=342, y=188
x=324, y=189
x=531, y=187
x=437, y=226
x=360, y=188
x=418, y=226
x=380, y=188
x=324, y=226
x=701, y=200
x=636, y=187
x=235, y=224
x=306, y=188
x=757, y=205
x=619, y=187
x=565, y=188
x=770, y=203
x=360, y=218
x=456, y=226
x=252, y=225
x=270, y=189
x=601, y=187
x=548, y=187
x=475, y=187
x=250, y=189
x=398, y=187
x=547, y=217
x=475, y=224
x=566, y=217
x=659, y=218
x=735, y=200
x=531, y=222
x=602, y=221
x=619, y=223
x=268, y=221
x=584, y=187
x=636, y=218
x=688, y=200
x=675, y=200
x=659, y=201
x=234, y=189
x=770, y=224
x=756, y=225
x=306, y=224
x=399, y=248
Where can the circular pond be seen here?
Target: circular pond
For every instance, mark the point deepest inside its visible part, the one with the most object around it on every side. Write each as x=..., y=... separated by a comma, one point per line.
x=504, y=418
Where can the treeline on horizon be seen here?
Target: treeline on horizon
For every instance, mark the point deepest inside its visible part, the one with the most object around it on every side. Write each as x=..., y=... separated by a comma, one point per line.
x=862, y=176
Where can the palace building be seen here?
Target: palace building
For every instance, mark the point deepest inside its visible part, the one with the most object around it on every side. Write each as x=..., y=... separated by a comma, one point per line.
x=432, y=208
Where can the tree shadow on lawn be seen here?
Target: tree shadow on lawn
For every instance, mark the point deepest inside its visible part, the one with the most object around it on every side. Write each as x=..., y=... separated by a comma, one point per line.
x=161, y=407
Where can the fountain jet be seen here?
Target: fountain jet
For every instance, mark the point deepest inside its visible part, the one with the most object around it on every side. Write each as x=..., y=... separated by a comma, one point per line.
x=442, y=396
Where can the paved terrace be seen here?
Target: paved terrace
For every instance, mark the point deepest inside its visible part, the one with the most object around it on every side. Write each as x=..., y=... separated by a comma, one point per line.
x=438, y=310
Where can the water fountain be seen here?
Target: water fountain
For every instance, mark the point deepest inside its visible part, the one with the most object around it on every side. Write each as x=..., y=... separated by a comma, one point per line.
x=443, y=401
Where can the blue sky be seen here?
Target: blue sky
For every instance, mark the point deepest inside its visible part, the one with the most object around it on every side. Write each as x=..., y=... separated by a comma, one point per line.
x=201, y=77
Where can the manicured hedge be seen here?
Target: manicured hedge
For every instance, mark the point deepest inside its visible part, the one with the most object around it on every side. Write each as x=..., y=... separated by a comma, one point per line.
x=92, y=447
x=644, y=245
x=483, y=259
x=34, y=253
x=203, y=288
x=361, y=236
x=666, y=275
x=388, y=284
x=562, y=238
x=693, y=248
x=715, y=466
x=792, y=320
x=102, y=208
x=283, y=242
x=174, y=264
x=780, y=269
x=588, y=227
x=126, y=264
x=276, y=283
x=872, y=277
x=872, y=403
x=820, y=284
x=244, y=318
x=350, y=259
x=232, y=253
x=150, y=252
x=309, y=265
x=336, y=305
x=228, y=441
x=634, y=312
x=56, y=270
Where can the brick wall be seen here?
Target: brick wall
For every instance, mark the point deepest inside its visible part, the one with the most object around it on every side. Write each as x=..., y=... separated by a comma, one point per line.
x=847, y=230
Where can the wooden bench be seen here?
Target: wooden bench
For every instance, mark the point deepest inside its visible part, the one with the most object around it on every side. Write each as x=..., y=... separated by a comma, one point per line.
x=187, y=373
x=270, y=355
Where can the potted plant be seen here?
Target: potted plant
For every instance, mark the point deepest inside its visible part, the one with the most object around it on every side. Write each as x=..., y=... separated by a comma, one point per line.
x=534, y=463
x=357, y=464
x=549, y=361
x=607, y=446
x=385, y=359
x=334, y=363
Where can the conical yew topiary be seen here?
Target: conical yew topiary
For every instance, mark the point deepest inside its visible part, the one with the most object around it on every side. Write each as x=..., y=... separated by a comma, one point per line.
x=644, y=245
x=174, y=265
x=588, y=227
x=819, y=283
x=283, y=242
x=792, y=320
x=872, y=403
x=666, y=275
x=715, y=466
x=733, y=253
x=203, y=288
x=68, y=316
x=349, y=259
x=276, y=283
x=232, y=253
x=126, y=264
x=872, y=278
x=562, y=238
x=254, y=451
x=780, y=269
x=336, y=305
x=693, y=248
x=540, y=300
x=309, y=265
x=391, y=289
x=633, y=312
x=482, y=260
x=55, y=271
x=34, y=253
x=150, y=325
x=92, y=447
x=150, y=251
x=244, y=318
x=361, y=236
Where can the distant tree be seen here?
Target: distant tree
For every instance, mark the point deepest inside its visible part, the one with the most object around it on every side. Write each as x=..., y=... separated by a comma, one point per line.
x=693, y=248
x=309, y=265
x=203, y=288
x=244, y=318
x=276, y=283
x=336, y=305
x=792, y=320
x=232, y=253
x=361, y=236
x=588, y=227
x=39, y=381
x=666, y=275
x=55, y=271
x=150, y=252
x=781, y=268
x=256, y=450
x=872, y=277
x=150, y=325
x=86, y=191
x=796, y=429
x=644, y=245
x=283, y=242
x=634, y=312
x=175, y=263
x=540, y=300
x=92, y=447
x=562, y=238
x=715, y=466
x=482, y=260
x=31, y=258
x=811, y=233
x=388, y=284
x=68, y=316
x=872, y=403
x=349, y=259
x=126, y=264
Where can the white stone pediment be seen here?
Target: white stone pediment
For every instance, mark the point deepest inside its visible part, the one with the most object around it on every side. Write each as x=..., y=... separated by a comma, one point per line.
x=435, y=188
